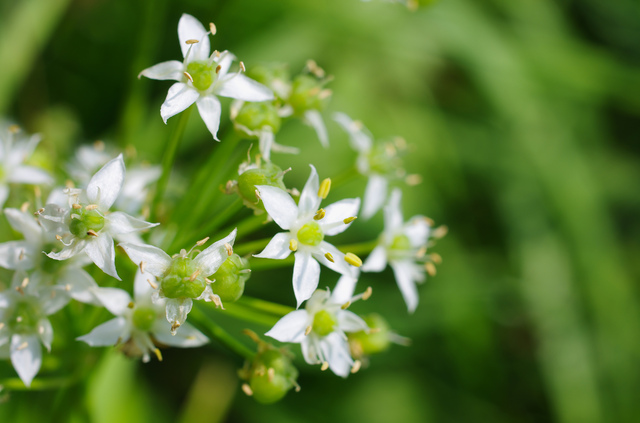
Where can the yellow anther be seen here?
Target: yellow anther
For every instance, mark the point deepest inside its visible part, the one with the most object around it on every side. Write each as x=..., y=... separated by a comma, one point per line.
x=188, y=76
x=175, y=326
x=217, y=53
x=353, y=260
x=22, y=346
x=24, y=207
x=325, y=187
x=356, y=366
x=325, y=366
x=152, y=284
x=212, y=28
x=326, y=93
x=307, y=331
x=91, y=207
x=67, y=287
x=349, y=219
x=329, y=257
x=58, y=237
x=430, y=268
x=436, y=258
x=194, y=275
x=98, y=145
x=293, y=245
x=413, y=179
x=440, y=231
x=319, y=214
x=76, y=206
x=131, y=304
x=14, y=129
x=21, y=291
x=202, y=242
x=242, y=68
x=142, y=265
x=271, y=373
x=25, y=282
x=247, y=389
x=218, y=68
x=346, y=305
x=229, y=248
x=367, y=293
x=158, y=354
x=92, y=233
x=1, y=325
x=192, y=41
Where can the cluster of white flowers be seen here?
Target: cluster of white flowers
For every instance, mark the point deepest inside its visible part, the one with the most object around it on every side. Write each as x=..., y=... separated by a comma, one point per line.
x=78, y=226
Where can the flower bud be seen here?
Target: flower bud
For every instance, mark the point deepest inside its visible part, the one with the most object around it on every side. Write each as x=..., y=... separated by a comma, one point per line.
x=231, y=277
x=271, y=375
x=266, y=173
x=377, y=340
x=307, y=93
x=274, y=76
x=253, y=117
x=182, y=280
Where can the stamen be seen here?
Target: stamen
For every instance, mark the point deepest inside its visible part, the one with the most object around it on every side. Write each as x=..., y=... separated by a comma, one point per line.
x=436, y=258
x=247, y=389
x=440, y=231
x=430, y=268
x=349, y=219
x=421, y=252
x=142, y=265
x=24, y=207
x=67, y=287
x=194, y=275
x=192, y=41
x=92, y=233
x=293, y=245
x=244, y=271
x=229, y=248
x=307, y=331
x=315, y=69
x=319, y=214
x=158, y=354
x=188, y=76
x=367, y=293
x=152, y=284
x=413, y=179
x=353, y=260
x=251, y=334
x=217, y=301
x=21, y=291
x=218, y=68
x=21, y=255
x=375, y=330
x=346, y=305
x=14, y=129
x=271, y=373
x=131, y=304
x=98, y=145
x=242, y=68
x=294, y=383
x=326, y=93
x=356, y=366
x=76, y=206
x=325, y=366
x=25, y=282
x=1, y=325
x=174, y=327
x=212, y=28
x=329, y=257
x=325, y=187
x=39, y=211
x=209, y=281
x=91, y=207
x=22, y=346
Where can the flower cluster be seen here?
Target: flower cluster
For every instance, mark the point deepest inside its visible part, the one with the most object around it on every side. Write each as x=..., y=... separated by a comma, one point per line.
x=54, y=244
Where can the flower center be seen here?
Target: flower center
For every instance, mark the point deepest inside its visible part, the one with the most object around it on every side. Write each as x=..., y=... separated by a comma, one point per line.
x=84, y=220
x=400, y=243
x=379, y=159
x=182, y=280
x=323, y=323
x=310, y=234
x=203, y=74
x=143, y=318
x=24, y=319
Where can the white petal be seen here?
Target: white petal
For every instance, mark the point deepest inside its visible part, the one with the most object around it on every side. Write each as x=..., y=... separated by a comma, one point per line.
x=105, y=185
x=210, y=109
x=377, y=260
x=309, y=199
x=26, y=356
x=188, y=337
x=243, y=88
x=343, y=292
x=79, y=283
x=108, y=333
x=279, y=205
x=336, y=350
x=278, y=247
x=45, y=331
x=333, y=221
x=52, y=299
x=142, y=289
x=404, y=277
x=4, y=194
x=374, y=195
x=338, y=264
x=189, y=28
x=291, y=327
x=115, y=300
x=417, y=230
x=314, y=118
x=122, y=223
x=360, y=141
x=177, y=310
x=210, y=259
x=155, y=260
x=29, y=175
x=350, y=322
x=310, y=350
x=179, y=97
x=100, y=250
x=166, y=70
x=306, y=274
x=26, y=224
x=224, y=61
x=393, y=213
x=77, y=245
x=16, y=255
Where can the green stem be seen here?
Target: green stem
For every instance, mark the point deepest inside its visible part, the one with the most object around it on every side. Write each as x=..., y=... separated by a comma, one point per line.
x=252, y=246
x=265, y=306
x=38, y=384
x=344, y=177
x=246, y=227
x=169, y=157
x=248, y=314
x=218, y=333
x=359, y=248
x=265, y=264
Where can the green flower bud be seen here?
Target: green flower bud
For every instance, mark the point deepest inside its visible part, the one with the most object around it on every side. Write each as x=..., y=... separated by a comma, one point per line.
x=256, y=116
x=380, y=161
x=272, y=376
x=182, y=280
x=307, y=93
x=267, y=174
x=86, y=220
x=274, y=76
x=143, y=318
x=230, y=278
x=377, y=340
x=323, y=323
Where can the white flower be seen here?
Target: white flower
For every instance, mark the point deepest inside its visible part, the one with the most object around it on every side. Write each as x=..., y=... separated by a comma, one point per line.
x=376, y=160
x=27, y=255
x=202, y=77
x=87, y=226
x=13, y=153
x=24, y=325
x=182, y=278
x=403, y=246
x=306, y=227
x=139, y=322
x=320, y=330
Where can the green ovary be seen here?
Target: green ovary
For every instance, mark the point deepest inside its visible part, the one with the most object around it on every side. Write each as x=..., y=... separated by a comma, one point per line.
x=203, y=74
x=179, y=280
x=323, y=323
x=143, y=318
x=24, y=319
x=85, y=221
x=310, y=234
x=401, y=243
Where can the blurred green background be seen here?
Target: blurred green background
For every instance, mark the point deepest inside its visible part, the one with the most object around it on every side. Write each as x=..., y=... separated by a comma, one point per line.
x=523, y=119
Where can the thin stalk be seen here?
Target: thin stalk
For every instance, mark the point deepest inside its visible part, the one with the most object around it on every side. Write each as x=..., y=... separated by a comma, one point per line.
x=265, y=306
x=218, y=333
x=251, y=246
x=246, y=227
x=265, y=264
x=248, y=314
x=344, y=177
x=359, y=248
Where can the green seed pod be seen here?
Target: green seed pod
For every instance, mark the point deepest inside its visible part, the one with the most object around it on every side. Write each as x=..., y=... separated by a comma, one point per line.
x=181, y=280
x=272, y=376
x=307, y=93
x=274, y=76
x=256, y=116
x=230, y=278
x=85, y=221
x=203, y=74
x=266, y=174
x=376, y=341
